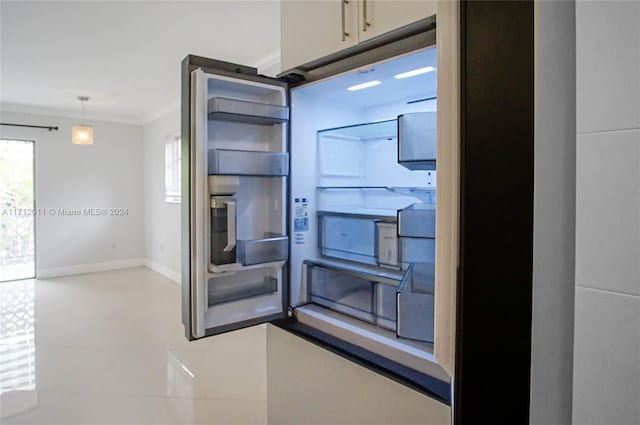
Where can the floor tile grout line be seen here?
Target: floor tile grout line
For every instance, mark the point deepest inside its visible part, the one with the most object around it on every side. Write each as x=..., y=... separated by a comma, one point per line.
x=68, y=392
x=609, y=291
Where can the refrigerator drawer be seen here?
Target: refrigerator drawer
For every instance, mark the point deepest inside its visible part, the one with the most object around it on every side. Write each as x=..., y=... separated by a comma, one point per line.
x=364, y=292
x=395, y=300
x=417, y=221
x=225, y=109
x=247, y=163
x=258, y=251
x=347, y=237
x=343, y=293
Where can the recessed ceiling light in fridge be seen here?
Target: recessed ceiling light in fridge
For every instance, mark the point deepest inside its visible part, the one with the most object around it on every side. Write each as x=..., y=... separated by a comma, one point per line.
x=364, y=85
x=415, y=72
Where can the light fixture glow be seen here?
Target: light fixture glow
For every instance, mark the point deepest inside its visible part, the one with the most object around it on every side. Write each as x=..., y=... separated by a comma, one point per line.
x=415, y=72
x=364, y=85
x=82, y=134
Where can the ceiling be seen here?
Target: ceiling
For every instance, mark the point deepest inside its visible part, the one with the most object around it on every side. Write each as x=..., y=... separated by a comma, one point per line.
x=389, y=90
x=125, y=55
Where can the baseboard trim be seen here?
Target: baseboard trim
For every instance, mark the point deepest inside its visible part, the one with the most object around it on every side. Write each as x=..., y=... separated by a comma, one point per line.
x=50, y=272
x=163, y=270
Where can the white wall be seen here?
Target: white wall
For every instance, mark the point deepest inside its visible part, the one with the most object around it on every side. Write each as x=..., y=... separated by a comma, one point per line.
x=607, y=311
x=307, y=384
x=162, y=235
x=107, y=174
x=162, y=244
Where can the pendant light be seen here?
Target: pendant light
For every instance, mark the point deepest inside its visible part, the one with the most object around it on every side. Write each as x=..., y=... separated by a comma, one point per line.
x=82, y=134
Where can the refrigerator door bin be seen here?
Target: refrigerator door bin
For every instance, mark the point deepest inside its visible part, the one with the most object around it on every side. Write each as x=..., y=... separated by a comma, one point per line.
x=258, y=251
x=420, y=253
x=417, y=140
x=415, y=312
x=235, y=110
x=247, y=163
x=417, y=221
x=347, y=237
x=234, y=293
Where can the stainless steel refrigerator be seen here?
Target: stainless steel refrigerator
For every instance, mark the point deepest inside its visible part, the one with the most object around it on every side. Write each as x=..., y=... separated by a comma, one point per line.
x=309, y=201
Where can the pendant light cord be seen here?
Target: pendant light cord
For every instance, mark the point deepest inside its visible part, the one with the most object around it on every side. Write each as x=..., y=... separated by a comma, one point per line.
x=82, y=100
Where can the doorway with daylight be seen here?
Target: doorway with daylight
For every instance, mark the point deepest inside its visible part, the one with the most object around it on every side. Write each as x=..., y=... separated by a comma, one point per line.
x=17, y=209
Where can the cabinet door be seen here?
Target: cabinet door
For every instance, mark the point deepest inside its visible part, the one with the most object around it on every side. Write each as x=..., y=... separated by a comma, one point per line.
x=380, y=16
x=311, y=29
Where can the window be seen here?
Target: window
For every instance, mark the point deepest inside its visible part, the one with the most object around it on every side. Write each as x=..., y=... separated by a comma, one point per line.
x=172, y=168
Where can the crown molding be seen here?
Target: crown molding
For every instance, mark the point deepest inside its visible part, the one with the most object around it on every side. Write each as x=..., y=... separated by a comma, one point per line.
x=270, y=59
x=65, y=113
x=160, y=112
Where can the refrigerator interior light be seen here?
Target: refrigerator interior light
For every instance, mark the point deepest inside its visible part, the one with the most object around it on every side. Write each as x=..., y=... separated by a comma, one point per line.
x=364, y=85
x=415, y=72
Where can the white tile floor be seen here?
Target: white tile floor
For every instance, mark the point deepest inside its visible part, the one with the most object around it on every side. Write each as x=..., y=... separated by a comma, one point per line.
x=109, y=348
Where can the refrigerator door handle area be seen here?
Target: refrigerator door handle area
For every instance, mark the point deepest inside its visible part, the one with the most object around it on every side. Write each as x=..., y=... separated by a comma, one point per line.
x=231, y=226
x=198, y=164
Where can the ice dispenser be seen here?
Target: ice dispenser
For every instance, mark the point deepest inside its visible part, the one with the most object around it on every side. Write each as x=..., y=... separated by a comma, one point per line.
x=223, y=219
x=223, y=230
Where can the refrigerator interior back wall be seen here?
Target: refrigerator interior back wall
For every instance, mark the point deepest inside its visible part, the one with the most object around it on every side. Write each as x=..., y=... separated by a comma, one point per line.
x=336, y=160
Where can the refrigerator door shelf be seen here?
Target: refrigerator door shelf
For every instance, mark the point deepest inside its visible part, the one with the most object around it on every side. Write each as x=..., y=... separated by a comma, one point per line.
x=227, y=269
x=223, y=185
x=259, y=251
x=224, y=109
x=224, y=268
x=267, y=286
x=247, y=163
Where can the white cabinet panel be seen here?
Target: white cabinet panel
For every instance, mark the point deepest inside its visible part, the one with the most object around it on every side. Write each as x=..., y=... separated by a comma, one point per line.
x=307, y=384
x=311, y=29
x=608, y=211
x=608, y=65
x=606, y=386
x=380, y=16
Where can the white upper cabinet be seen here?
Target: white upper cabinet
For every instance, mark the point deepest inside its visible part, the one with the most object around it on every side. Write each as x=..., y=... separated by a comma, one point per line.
x=311, y=29
x=380, y=16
